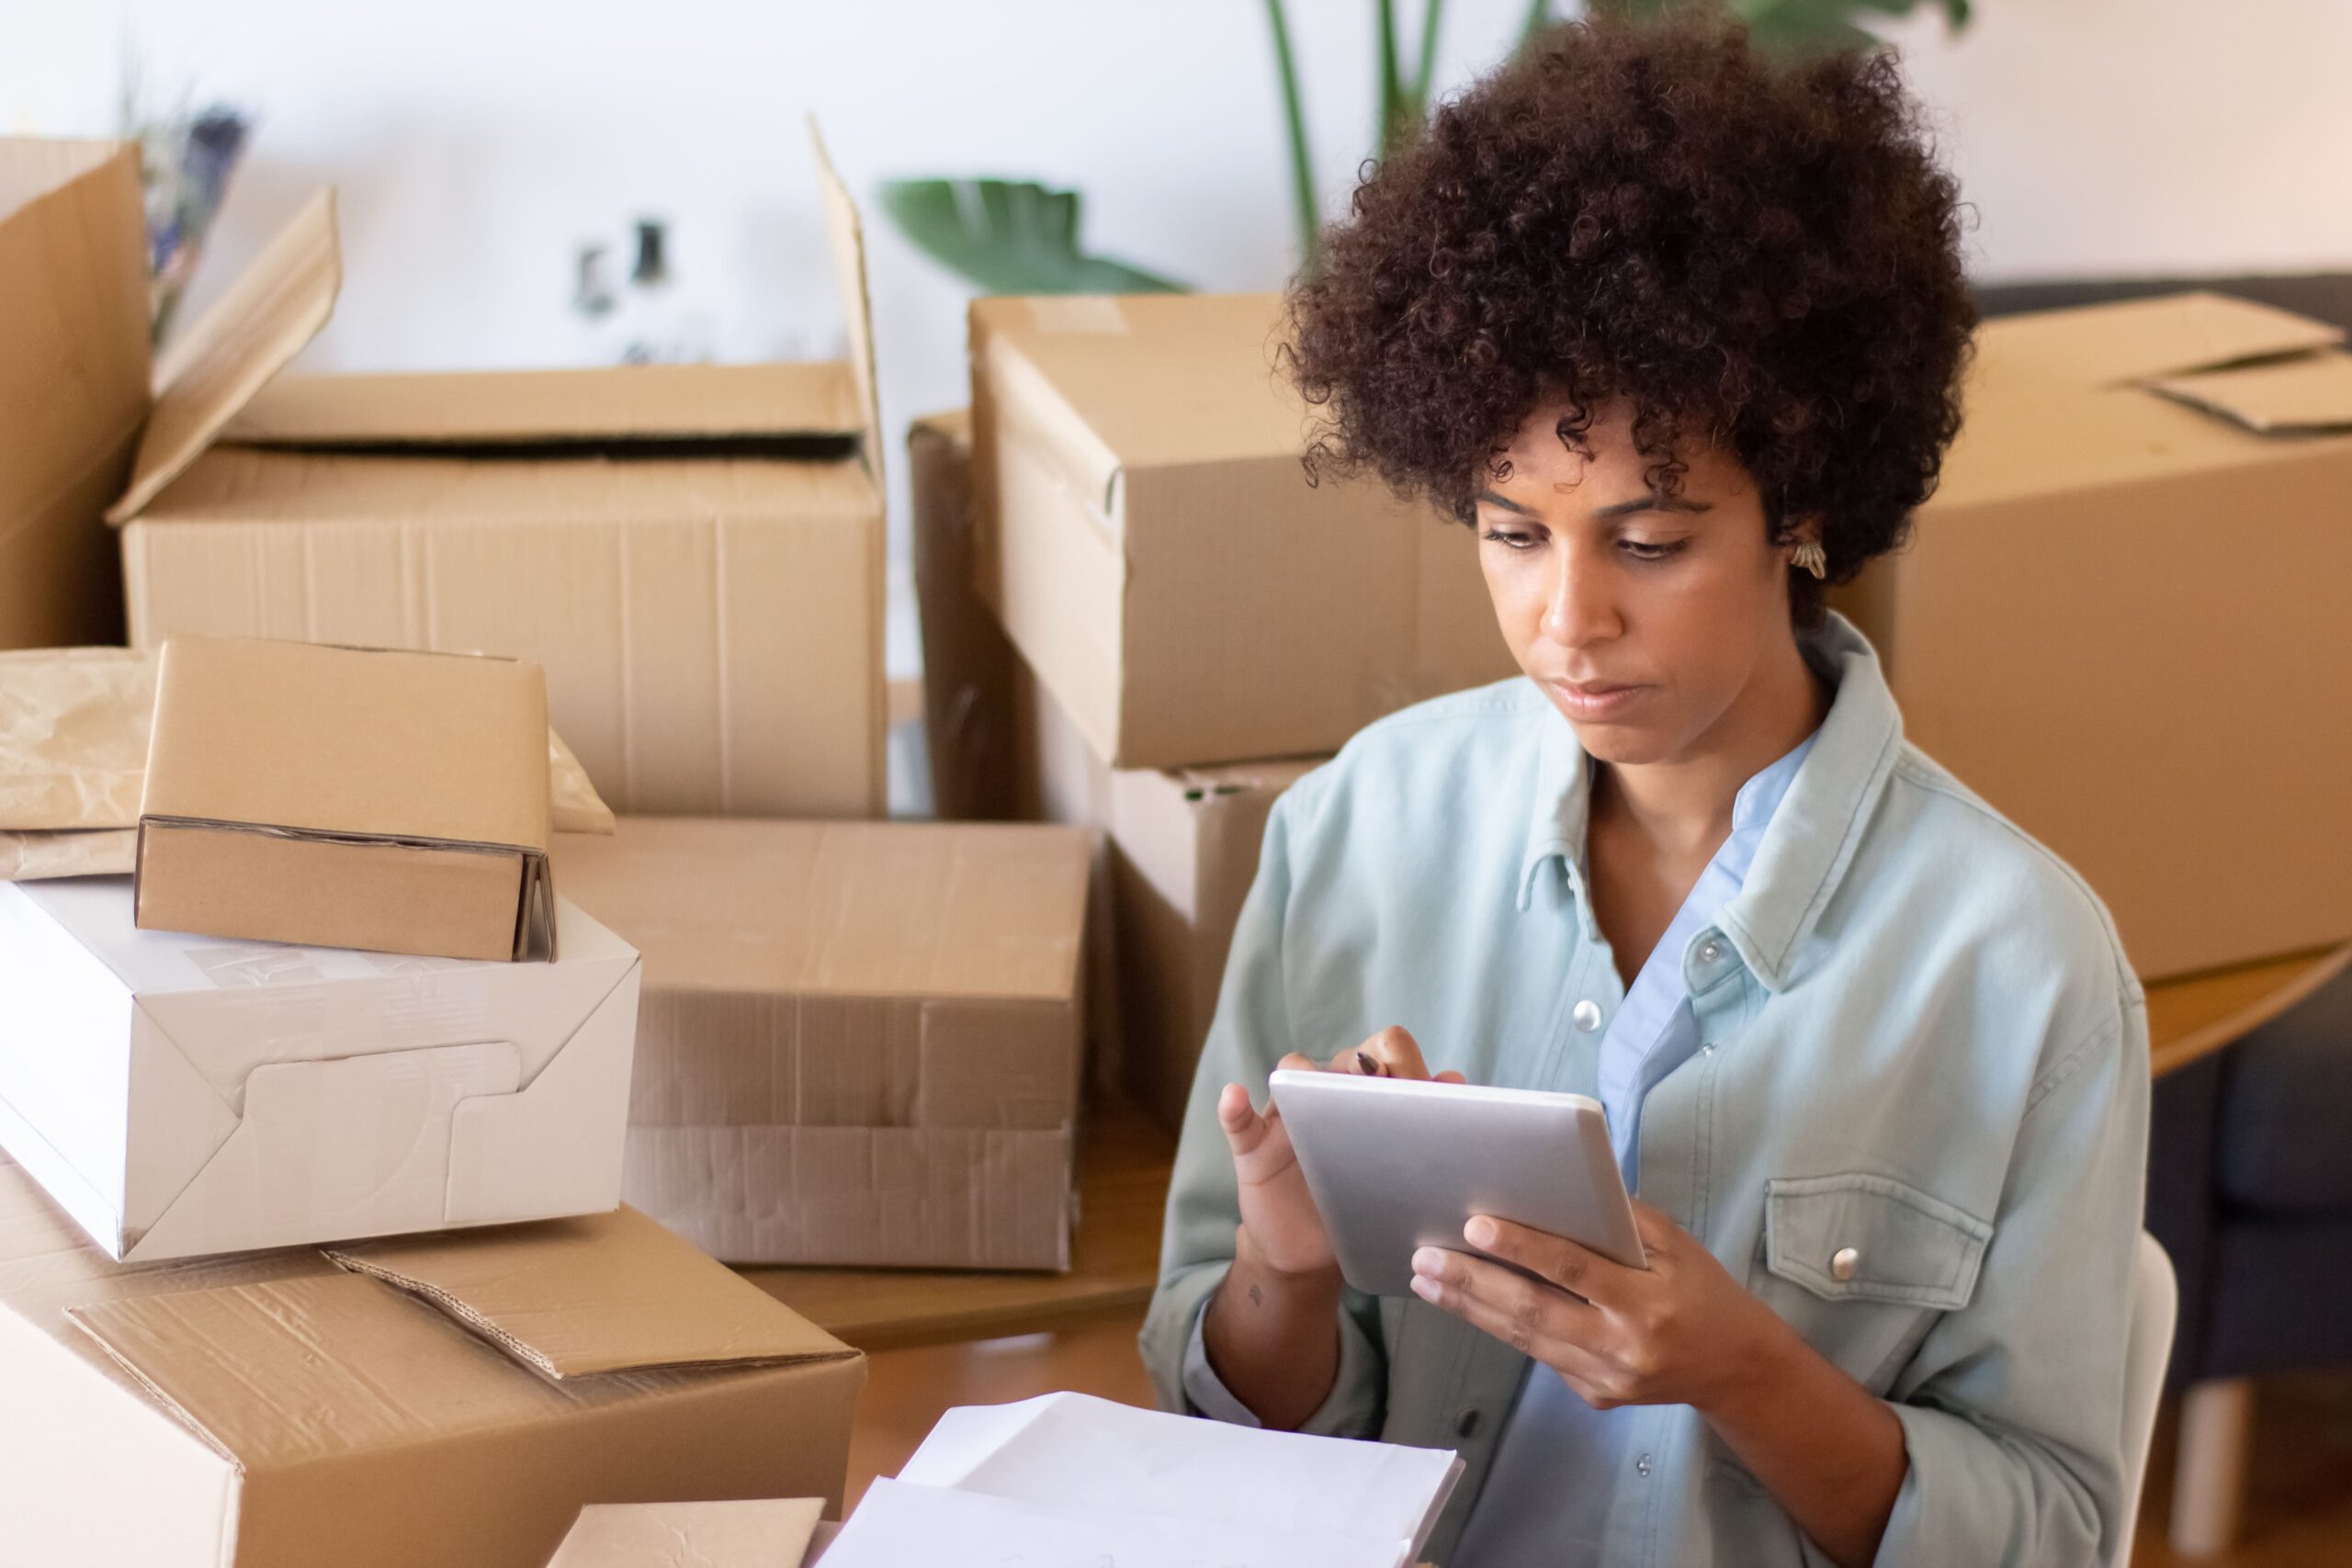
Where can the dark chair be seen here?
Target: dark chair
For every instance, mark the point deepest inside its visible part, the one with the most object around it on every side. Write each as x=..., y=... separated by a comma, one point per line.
x=2250, y=1191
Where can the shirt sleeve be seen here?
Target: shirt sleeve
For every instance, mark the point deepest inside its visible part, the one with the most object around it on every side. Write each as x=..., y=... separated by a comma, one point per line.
x=1250, y=1033
x=2012, y=1409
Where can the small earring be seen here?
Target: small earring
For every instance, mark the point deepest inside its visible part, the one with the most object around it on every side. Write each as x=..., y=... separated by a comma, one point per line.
x=1811, y=557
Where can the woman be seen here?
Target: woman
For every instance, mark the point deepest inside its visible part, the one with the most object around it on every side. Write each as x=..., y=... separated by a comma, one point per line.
x=1679, y=331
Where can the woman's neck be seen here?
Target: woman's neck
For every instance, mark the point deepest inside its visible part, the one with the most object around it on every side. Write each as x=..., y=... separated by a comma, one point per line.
x=1683, y=805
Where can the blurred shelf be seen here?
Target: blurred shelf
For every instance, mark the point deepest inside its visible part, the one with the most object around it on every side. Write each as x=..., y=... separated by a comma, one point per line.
x=1123, y=1160
x=2196, y=1015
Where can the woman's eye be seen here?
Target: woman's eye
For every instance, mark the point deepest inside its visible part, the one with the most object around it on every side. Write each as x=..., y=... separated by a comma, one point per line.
x=1517, y=539
x=1640, y=550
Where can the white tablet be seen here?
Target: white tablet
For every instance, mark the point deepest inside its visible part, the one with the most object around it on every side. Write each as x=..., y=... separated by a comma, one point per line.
x=1396, y=1163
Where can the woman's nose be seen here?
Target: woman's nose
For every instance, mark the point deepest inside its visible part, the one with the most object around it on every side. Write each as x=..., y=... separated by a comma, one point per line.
x=1580, y=605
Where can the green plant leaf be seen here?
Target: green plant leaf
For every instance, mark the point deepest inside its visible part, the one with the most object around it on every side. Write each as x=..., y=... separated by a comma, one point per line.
x=1009, y=237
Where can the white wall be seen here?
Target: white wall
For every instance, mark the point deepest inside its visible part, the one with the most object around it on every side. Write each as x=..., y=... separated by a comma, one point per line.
x=475, y=143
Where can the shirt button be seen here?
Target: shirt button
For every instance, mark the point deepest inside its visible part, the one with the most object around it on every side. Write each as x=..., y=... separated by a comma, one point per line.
x=1709, y=950
x=1642, y=1465
x=1843, y=1263
x=1708, y=1049
x=1587, y=1016
x=1465, y=1422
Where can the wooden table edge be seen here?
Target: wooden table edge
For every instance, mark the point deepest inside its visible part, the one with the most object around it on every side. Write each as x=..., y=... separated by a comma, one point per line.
x=2173, y=1054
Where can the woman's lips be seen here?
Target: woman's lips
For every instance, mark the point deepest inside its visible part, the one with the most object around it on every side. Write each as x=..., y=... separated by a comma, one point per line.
x=1595, y=700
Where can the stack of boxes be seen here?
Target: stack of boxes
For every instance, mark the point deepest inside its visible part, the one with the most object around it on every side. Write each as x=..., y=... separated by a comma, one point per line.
x=1139, y=616
x=860, y=1042
x=335, y=1088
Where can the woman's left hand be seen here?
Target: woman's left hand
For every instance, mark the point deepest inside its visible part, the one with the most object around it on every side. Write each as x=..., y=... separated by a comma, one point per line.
x=1680, y=1332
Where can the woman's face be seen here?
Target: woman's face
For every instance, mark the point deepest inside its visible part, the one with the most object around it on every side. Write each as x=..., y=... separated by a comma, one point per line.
x=1643, y=618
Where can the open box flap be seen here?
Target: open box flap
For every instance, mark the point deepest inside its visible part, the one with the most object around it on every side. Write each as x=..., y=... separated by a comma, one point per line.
x=230, y=353
x=605, y=1293
x=2306, y=395
x=2131, y=341
x=846, y=236
x=813, y=410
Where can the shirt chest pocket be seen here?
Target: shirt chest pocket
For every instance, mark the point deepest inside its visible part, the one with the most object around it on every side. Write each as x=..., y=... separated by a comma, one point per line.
x=1860, y=1265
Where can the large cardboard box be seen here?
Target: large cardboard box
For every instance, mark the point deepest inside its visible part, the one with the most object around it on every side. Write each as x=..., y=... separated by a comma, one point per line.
x=860, y=1041
x=773, y=1533
x=73, y=376
x=183, y=1095
x=347, y=797
x=1150, y=541
x=451, y=1400
x=2123, y=618
x=694, y=553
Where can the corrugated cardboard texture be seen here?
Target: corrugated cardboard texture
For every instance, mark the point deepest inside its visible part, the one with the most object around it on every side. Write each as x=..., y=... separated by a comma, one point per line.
x=752, y=1534
x=348, y=740
x=2162, y=695
x=346, y=797
x=73, y=374
x=711, y=629
x=1150, y=543
x=603, y=1294
x=966, y=662
x=858, y=1042
x=1181, y=851
x=360, y=1425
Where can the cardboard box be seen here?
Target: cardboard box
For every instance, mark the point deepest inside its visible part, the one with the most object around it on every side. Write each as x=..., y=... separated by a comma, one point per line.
x=694, y=553
x=860, y=1041
x=1180, y=853
x=73, y=376
x=1150, y=543
x=758, y=1533
x=183, y=1095
x=2122, y=620
x=455, y=1401
x=347, y=797
x=967, y=664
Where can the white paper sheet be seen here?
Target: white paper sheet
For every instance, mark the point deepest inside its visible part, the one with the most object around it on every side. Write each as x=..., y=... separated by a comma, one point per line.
x=899, y=1525
x=1067, y=1450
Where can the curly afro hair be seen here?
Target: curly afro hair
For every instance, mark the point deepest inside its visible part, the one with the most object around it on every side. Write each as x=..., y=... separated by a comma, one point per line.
x=1761, y=253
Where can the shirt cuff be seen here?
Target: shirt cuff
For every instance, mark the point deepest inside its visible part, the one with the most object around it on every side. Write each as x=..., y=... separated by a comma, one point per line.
x=1203, y=1390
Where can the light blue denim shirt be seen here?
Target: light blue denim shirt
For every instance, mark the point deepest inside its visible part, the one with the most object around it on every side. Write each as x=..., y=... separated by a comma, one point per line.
x=1917, y=1038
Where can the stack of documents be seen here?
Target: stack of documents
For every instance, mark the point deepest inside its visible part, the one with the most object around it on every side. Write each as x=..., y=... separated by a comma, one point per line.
x=1067, y=1480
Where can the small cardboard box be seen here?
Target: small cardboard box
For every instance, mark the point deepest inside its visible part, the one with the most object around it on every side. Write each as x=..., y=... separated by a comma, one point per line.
x=454, y=1400
x=2122, y=619
x=74, y=371
x=347, y=797
x=1180, y=853
x=860, y=1041
x=1150, y=543
x=753, y=1533
x=184, y=1095
x=693, y=552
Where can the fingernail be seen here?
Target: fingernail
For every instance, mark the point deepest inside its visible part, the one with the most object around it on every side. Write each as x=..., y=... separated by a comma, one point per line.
x=1429, y=1290
x=1429, y=1260
x=1365, y=1063
x=1479, y=1232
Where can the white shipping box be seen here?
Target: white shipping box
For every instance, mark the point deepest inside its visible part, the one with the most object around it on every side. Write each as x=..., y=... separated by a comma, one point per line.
x=184, y=1095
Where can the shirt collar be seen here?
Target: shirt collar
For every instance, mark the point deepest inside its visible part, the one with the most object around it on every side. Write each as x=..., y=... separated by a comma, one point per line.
x=1813, y=803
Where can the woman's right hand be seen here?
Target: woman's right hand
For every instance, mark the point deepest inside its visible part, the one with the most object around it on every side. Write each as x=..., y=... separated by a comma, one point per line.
x=1278, y=1222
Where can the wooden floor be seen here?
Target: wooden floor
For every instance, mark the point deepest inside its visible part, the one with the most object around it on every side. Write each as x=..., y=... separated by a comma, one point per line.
x=2298, y=1493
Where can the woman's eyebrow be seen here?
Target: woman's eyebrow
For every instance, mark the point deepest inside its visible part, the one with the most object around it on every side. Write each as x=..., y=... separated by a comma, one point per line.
x=1652, y=503
x=1491, y=499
